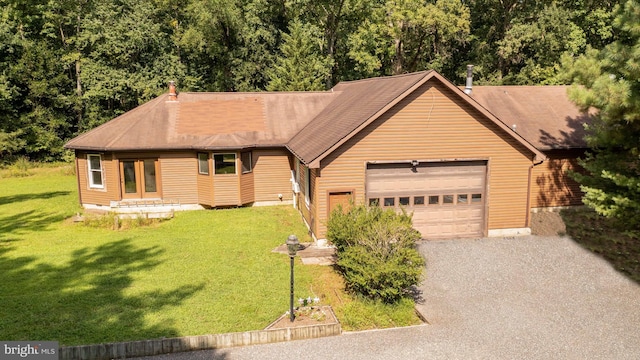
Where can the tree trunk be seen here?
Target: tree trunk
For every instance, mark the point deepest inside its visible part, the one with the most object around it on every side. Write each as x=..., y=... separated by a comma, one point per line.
x=79, y=109
x=333, y=22
x=398, y=61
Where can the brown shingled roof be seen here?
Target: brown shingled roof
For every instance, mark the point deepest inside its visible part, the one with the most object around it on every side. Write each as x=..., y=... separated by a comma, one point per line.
x=313, y=124
x=544, y=115
x=207, y=121
x=360, y=103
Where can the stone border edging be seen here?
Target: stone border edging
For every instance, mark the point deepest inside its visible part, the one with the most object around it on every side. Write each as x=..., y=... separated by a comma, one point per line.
x=124, y=350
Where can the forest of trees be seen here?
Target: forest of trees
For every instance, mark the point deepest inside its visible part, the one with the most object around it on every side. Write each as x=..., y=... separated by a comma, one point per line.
x=69, y=65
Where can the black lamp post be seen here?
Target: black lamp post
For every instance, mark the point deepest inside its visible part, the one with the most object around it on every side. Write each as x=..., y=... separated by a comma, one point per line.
x=292, y=246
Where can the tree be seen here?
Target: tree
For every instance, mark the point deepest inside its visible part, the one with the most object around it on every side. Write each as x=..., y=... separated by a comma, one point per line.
x=607, y=80
x=10, y=48
x=302, y=65
x=521, y=42
x=531, y=49
x=126, y=60
x=408, y=35
x=34, y=101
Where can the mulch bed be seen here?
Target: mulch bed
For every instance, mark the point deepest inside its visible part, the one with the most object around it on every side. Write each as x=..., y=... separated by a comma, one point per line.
x=307, y=316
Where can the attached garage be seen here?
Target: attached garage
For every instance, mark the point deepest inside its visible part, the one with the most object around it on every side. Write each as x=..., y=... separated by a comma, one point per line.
x=447, y=199
x=417, y=142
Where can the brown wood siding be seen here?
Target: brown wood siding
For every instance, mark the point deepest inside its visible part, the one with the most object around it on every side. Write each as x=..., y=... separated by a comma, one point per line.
x=302, y=181
x=180, y=177
x=111, y=190
x=247, y=193
x=429, y=125
x=272, y=175
x=205, y=184
x=226, y=190
x=308, y=211
x=551, y=185
x=315, y=220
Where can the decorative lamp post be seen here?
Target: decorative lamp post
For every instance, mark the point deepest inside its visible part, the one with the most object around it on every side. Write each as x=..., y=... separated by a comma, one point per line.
x=292, y=246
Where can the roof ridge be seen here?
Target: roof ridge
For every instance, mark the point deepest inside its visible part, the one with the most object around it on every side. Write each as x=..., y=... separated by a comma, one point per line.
x=540, y=86
x=387, y=77
x=227, y=93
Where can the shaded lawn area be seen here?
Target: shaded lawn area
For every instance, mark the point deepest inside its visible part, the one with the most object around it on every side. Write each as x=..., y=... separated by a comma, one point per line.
x=199, y=273
x=606, y=238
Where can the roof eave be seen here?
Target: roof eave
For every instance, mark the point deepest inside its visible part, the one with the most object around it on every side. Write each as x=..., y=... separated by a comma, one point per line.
x=538, y=155
x=176, y=148
x=315, y=163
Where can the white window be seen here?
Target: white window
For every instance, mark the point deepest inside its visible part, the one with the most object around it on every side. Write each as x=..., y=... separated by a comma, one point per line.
x=245, y=158
x=95, y=171
x=203, y=163
x=225, y=164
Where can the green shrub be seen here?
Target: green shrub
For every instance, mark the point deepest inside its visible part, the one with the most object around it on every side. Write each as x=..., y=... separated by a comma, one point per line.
x=345, y=229
x=376, y=252
x=113, y=221
x=374, y=277
x=21, y=167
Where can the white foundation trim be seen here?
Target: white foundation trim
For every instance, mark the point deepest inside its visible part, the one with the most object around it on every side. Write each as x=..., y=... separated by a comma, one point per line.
x=133, y=209
x=509, y=232
x=554, y=208
x=273, y=203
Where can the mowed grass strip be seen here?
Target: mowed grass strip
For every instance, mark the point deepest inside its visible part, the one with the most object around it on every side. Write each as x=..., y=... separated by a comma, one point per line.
x=201, y=272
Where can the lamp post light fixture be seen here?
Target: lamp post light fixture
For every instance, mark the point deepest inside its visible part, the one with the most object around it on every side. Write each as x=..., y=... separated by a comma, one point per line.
x=292, y=246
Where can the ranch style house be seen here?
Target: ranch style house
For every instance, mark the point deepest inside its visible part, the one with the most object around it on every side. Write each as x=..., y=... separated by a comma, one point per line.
x=468, y=161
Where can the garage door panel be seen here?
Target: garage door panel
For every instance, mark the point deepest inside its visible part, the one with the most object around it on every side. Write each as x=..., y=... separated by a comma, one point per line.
x=462, y=184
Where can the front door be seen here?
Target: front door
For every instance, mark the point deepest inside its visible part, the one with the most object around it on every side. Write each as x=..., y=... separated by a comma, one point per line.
x=342, y=198
x=139, y=179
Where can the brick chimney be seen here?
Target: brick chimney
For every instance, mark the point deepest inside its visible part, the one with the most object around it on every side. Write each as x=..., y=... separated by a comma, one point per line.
x=173, y=96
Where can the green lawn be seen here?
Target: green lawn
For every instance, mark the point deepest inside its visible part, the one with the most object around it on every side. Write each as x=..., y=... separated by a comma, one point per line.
x=202, y=272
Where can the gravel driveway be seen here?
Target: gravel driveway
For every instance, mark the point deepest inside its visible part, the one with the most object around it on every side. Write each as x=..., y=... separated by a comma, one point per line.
x=521, y=298
x=530, y=297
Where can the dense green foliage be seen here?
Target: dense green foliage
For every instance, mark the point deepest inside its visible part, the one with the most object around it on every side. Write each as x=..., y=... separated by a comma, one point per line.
x=67, y=66
x=376, y=251
x=608, y=80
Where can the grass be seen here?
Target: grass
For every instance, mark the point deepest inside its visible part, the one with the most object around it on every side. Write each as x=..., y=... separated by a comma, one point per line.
x=604, y=237
x=202, y=272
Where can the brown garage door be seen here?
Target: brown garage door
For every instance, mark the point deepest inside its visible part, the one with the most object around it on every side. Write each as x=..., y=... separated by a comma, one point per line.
x=447, y=198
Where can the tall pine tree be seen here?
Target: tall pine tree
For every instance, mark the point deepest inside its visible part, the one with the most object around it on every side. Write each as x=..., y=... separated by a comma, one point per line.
x=609, y=81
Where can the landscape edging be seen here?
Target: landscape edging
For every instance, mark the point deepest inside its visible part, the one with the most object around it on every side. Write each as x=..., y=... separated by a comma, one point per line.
x=124, y=350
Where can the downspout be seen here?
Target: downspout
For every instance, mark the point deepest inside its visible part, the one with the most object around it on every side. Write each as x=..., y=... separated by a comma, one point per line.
x=528, y=217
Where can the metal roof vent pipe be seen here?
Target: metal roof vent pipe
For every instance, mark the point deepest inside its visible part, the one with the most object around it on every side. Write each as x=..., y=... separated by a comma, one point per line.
x=173, y=96
x=467, y=88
